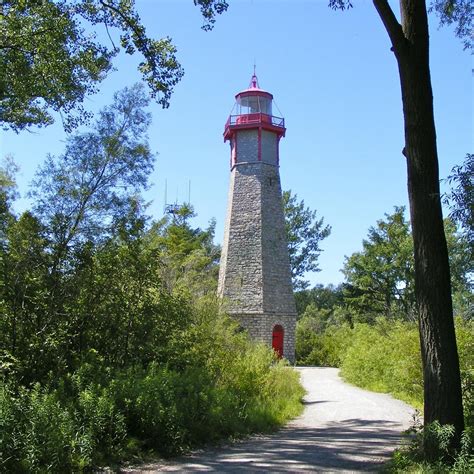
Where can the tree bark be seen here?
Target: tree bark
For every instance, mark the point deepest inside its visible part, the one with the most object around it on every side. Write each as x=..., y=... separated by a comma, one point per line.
x=442, y=381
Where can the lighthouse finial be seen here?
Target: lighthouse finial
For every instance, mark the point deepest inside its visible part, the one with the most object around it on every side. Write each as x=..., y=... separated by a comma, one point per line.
x=254, y=81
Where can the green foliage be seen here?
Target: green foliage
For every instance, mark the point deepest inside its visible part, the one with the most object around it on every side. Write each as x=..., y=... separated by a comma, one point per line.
x=162, y=406
x=461, y=197
x=457, y=12
x=77, y=272
x=326, y=298
x=386, y=358
x=381, y=278
x=191, y=262
x=320, y=344
x=429, y=452
x=8, y=170
x=209, y=10
x=465, y=342
x=304, y=232
x=82, y=194
x=41, y=430
x=24, y=292
x=99, y=413
x=51, y=61
x=111, y=339
x=450, y=12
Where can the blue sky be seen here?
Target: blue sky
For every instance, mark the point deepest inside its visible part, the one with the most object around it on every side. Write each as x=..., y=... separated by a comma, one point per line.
x=334, y=79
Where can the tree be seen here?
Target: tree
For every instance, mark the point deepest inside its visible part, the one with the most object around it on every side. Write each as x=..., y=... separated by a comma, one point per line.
x=323, y=297
x=23, y=293
x=49, y=62
x=7, y=193
x=381, y=275
x=80, y=195
x=461, y=198
x=84, y=271
x=410, y=44
x=189, y=256
x=381, y=278
x=461, y=262
x=459, y=13
x=84, y=197
x=304, y=232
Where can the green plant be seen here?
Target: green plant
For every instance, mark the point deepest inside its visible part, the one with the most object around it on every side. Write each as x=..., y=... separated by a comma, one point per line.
x=430, y=451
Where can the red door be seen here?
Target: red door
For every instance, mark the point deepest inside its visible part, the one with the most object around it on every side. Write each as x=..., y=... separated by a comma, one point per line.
x=277, y=340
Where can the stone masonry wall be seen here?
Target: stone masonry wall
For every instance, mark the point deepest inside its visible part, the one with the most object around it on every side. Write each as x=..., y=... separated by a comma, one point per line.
x=255, y=278
x=278, y=291
x=269, y=148
x=260, y=328
x=240, y=277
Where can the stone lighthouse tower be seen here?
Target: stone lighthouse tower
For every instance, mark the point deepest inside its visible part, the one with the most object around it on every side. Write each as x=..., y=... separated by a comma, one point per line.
x=255, y=276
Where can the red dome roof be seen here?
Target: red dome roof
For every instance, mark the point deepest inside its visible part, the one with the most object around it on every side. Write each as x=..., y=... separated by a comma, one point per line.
x=254, y=89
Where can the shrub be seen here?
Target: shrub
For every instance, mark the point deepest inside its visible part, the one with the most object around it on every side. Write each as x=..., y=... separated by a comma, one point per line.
x=39, y=430
x=10, y=438
x=429, y=451
x=323, y=348
x=166, y=410
x=386, y=358
x=216, y=383
x=465, y=341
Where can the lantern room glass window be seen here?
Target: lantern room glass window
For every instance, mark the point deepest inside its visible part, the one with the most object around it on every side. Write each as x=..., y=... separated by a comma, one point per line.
x=254, y=104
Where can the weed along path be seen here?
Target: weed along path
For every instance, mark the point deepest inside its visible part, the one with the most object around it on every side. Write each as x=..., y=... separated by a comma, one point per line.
x=343, y=428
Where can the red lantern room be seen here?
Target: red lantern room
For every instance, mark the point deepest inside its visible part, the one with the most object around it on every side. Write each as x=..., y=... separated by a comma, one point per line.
x=253, y=110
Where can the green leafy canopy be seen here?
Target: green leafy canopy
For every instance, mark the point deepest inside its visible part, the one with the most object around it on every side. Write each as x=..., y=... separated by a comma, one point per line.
x=51, y=58
x=304, y=232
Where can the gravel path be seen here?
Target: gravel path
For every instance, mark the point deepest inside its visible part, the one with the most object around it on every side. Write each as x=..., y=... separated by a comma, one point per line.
x=342, y=429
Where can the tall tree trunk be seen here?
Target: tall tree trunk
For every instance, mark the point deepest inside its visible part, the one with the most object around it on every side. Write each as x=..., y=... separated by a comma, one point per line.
x=442, y=381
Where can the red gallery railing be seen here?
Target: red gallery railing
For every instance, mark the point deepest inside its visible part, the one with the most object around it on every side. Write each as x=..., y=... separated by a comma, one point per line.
x=245, y=119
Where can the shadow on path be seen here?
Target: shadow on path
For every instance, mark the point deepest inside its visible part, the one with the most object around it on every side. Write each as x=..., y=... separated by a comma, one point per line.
x=351, y=445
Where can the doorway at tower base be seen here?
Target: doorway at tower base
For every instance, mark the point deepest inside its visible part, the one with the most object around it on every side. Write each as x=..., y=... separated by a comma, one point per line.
x=264, y=327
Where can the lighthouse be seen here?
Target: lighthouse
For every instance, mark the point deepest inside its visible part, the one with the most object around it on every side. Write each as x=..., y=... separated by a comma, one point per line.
x=255, y=276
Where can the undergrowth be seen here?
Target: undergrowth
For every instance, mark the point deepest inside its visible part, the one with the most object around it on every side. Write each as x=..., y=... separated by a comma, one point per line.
x=429, y=452
x=226, y=386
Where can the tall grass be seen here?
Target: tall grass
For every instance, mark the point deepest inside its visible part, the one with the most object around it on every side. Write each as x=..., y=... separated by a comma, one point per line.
x=224, y=386
x=386, y=357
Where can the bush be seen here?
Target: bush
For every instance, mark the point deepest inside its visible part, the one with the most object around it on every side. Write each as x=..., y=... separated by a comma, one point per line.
x=10, y=440
x=232, y=394
x=165, y=410
x=216, y=383
x=465, y=341
x=323, y=348
x=386, y=358
x=39, y=430
x=429, y=452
